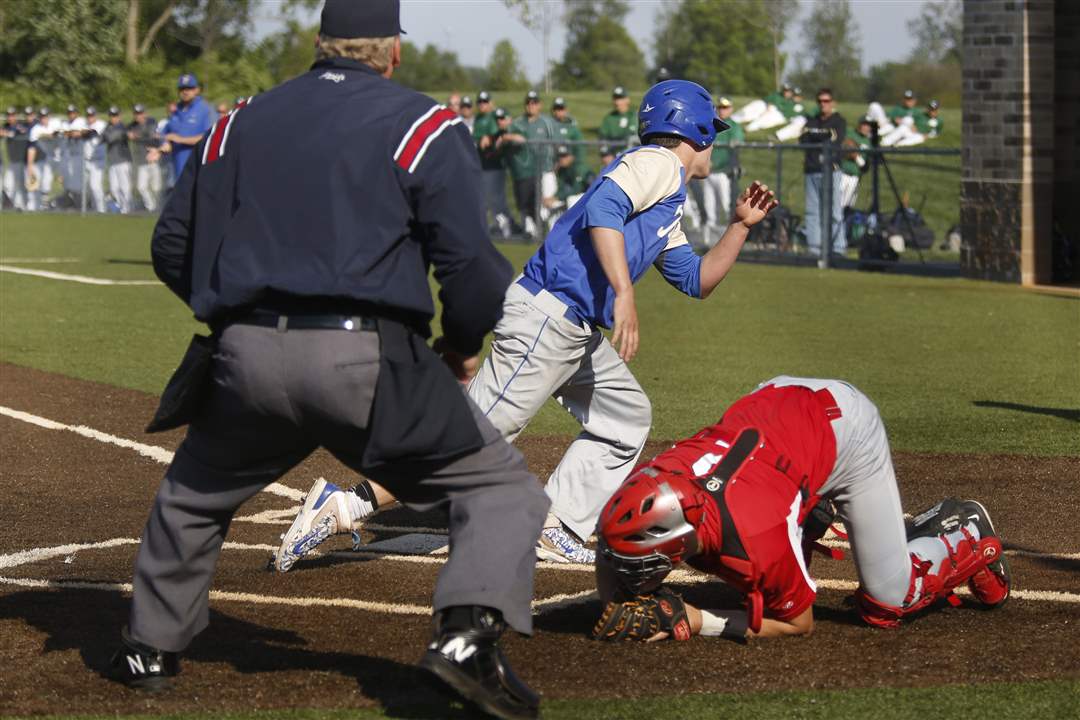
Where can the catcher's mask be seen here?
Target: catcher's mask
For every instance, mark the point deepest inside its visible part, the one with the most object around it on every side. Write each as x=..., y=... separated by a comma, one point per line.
x=643, y=530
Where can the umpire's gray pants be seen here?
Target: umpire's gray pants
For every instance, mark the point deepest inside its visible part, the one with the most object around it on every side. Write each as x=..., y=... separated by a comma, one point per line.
x=276, y=397
x=537, y=354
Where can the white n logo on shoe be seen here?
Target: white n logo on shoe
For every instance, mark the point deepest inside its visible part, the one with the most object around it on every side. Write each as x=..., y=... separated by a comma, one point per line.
x=458, y=649
x=135, y=664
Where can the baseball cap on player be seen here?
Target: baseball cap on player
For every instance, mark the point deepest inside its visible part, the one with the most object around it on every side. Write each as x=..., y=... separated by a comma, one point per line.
x=532, y=96
x=562, y=151
x=43, y=110
x=11, y=110
x=933, y=105
x=187, y=80
x=723, y=102
x=367, y=19
x=619, y=92
x=28, y=110
x=909, y=94
x=466, y=101
x=483, y=96
x=501, y=114
x=558, y=103
x=681, y=108
x=139, y=108
x=72, y=109
x=113, y=110
x=91, y=110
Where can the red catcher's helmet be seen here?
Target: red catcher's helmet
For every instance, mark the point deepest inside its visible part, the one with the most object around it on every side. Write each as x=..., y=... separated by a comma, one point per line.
x=643, y=530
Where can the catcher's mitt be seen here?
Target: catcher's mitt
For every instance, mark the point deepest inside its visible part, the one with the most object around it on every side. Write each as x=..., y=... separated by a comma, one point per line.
x=643, y=617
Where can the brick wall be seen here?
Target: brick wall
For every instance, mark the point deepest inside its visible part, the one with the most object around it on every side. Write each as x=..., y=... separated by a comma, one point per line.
x=1010, y=135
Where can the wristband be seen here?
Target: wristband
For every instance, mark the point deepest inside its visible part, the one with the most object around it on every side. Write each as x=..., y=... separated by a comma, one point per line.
x=731, y=624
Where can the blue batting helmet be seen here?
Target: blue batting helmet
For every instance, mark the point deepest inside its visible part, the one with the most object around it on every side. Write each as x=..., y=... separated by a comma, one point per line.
x=682, y=108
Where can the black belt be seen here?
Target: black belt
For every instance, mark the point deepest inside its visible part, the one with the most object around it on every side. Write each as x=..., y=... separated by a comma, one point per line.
x=303, y=321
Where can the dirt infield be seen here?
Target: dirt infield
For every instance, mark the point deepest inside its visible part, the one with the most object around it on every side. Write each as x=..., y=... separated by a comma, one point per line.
x=343, y=629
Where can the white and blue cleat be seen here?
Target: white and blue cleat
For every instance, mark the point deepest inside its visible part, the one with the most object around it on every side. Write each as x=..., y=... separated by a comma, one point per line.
x=325, y=512
x=557, y=545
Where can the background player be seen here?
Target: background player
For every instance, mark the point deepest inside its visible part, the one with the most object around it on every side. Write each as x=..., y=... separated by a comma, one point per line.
x=733, y=501
x=549, y=341
x=619, y=127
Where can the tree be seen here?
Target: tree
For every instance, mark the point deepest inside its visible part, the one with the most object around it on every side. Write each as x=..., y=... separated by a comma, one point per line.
x=161, y=12
x=726, y=52
x=779, y=14
x=580, y=15
x=832, y=53
x=938, y=32
x=504, y=68
x=539, y=16
x=602, y=56
x=429, y=68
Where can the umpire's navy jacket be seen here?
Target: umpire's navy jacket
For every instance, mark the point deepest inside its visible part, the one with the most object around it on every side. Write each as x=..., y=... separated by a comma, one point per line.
x=336, y=192
x=339, y=184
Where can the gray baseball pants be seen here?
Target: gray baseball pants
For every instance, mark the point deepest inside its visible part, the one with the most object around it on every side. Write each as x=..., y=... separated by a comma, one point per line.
x=276, y=397
x=537, y=353
x=863, y=487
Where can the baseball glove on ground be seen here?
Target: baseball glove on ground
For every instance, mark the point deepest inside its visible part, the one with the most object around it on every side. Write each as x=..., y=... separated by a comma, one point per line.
x=643, y=617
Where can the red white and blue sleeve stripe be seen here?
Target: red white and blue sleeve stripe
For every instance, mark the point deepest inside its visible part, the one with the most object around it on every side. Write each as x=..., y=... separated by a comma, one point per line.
x=410, y=151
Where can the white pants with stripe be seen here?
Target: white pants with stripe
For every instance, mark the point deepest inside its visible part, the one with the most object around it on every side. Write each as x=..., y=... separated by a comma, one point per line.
x=95, y=181
x=538, y=354
x=148, y=183
x=15, y=184
x=849, y=189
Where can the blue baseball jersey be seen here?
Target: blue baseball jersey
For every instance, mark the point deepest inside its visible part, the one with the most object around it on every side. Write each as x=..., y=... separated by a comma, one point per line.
x=195, y=119
x=641, y=193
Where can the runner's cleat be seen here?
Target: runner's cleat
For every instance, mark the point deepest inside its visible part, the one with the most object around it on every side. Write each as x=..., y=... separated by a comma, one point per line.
x=325, y=512
x=558, y=545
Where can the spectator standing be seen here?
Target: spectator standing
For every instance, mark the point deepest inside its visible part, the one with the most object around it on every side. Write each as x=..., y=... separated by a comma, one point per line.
x=187, y=126
x=722, y=184
x=118, y=156
x=488, y=127
x=466, y=113
x=453, y=102
x=525, y=157
x=165, y=162
x=827, y=127
x=143, y=134
x=619, y=126
x=567, y=131
x=42, y=158
x=73, y=163
x=94, y=157
x=17, y=134
x=854, y=163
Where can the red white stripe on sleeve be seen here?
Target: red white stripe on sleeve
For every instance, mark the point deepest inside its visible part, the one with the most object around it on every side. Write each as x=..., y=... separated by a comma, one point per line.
x=421, y=134
x=219, y=134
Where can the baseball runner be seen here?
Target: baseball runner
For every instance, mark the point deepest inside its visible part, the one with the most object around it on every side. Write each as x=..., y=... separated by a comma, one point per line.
x=118, y=155
x=549, y=343
x=317, y=292
x=746, y=498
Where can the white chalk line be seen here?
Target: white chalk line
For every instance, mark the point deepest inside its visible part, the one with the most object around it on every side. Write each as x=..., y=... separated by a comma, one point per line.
x=84, y=279
x=164, y=456
x=38, y=260
x=158, y=454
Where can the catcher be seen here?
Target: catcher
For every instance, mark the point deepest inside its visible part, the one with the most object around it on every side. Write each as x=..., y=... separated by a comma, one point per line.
x=747, y=498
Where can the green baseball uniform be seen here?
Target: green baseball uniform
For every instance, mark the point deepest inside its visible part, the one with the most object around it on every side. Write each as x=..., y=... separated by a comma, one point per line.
x=897, y=112
x=485, y=126
x=567, y=131
x=775, y=98
x=849, y=166
x=617, y=127
x=573, y=180
x=525, y=161
x=928, y=126
x=724, y=159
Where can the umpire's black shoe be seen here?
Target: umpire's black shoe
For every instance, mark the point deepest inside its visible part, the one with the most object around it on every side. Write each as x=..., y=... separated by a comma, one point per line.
x=464, y=656
x=142, y=667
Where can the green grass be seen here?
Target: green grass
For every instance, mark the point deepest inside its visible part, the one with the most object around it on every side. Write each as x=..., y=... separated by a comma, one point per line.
x=925, y=350
x=1004, y=701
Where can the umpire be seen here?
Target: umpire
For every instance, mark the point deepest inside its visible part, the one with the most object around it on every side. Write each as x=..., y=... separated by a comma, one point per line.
x=309, y=260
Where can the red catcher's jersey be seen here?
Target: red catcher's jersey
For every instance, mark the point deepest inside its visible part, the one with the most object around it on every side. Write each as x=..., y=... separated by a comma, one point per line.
x=764, y=504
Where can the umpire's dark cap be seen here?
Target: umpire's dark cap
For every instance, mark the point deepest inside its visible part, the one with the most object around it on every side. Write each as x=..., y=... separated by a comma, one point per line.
x=139, y=108
x=361, y=19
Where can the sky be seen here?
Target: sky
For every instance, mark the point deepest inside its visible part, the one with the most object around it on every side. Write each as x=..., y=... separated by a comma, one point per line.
x=472, y=27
